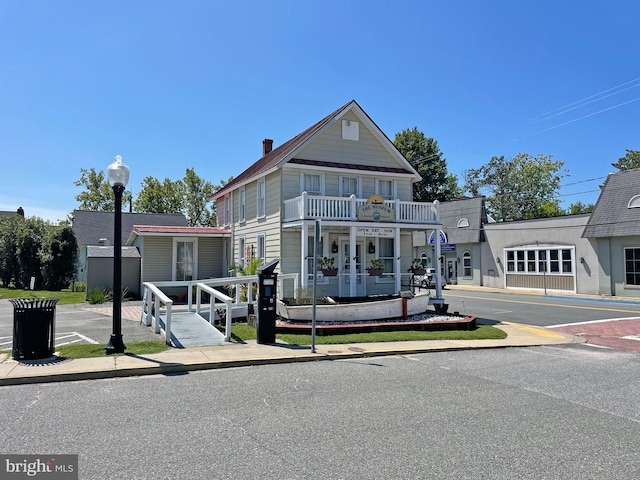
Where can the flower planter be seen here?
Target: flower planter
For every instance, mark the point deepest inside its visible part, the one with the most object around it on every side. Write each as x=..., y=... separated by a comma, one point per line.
x=329, y=272
x=374, y=272
x=418, y=271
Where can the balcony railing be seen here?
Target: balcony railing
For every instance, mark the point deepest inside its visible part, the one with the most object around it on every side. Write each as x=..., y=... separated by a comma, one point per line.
x=307, y=207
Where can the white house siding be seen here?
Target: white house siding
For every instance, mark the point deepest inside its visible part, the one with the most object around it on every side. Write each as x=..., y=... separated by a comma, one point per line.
x=329, y=146
x=157, y=259
x=611, y=256
x=550, y=232
x=210, y=257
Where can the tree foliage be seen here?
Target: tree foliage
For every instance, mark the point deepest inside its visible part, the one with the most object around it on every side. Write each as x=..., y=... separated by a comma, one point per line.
x=520, y=188
x=630, y=161
x=156, y=197
x=197, y=193
x=35, y=248
x=578, y=208
x=97, y=195
x=425, y=156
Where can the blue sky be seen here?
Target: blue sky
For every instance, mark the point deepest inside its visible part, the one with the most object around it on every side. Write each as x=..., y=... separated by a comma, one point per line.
x=176, y=84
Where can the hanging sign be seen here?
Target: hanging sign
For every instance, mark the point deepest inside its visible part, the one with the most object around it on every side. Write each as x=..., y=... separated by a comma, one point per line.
x=375, y=210
x=432, y=237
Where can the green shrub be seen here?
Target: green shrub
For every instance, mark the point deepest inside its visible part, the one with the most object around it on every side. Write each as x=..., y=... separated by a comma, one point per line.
x=97, y=295
x=78, y=286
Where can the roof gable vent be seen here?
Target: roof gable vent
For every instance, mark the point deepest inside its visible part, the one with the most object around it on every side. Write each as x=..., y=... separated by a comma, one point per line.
x=634, y=202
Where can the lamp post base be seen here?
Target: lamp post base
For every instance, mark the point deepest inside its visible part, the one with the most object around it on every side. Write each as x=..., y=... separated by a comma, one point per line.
x=115, y=345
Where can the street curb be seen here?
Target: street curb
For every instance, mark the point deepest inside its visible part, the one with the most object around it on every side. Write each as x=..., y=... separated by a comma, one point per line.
x=180, y=368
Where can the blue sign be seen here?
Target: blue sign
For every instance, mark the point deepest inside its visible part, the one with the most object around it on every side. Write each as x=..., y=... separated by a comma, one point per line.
x=445, y=247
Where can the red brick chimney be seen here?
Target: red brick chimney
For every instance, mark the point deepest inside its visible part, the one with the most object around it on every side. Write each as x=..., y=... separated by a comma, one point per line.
x=267, y=146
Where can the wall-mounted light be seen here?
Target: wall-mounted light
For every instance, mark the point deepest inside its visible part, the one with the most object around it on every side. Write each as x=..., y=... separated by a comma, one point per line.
x=498, y=260
x=372, y=248
x=581, y=259
x=334, y=247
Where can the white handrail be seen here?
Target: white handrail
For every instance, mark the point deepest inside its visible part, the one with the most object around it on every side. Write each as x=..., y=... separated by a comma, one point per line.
x=220, y=296
x=154, y=306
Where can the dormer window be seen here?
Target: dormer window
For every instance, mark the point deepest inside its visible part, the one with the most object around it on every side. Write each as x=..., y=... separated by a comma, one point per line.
x=634, y=202
x=463, y=222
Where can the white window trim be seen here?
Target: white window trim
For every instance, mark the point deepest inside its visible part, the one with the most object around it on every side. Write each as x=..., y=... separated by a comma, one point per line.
x=264, y=240
x=394, y=187
x=322, y=184
x=242, y=255
x=174, y=256
x=359, y=189
x=242, y=205
x=261, y=181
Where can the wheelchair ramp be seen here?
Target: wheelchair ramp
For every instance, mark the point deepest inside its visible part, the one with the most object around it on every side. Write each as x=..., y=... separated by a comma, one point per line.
x=190, y=330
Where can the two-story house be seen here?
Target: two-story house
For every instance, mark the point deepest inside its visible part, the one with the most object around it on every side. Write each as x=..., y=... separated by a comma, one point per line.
x=345, y=172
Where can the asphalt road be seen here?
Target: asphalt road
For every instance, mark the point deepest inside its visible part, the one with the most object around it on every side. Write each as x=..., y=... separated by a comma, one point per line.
x=537, y=310
x=529, y=413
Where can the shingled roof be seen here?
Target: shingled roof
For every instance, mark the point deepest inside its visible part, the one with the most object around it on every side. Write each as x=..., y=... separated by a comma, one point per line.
x=273, y=158
x=90, y=227
x=611, y=216
x=453, y=215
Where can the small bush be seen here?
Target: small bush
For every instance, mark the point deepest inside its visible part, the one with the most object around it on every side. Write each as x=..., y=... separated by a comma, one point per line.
x=97, y=295
x=78, y=286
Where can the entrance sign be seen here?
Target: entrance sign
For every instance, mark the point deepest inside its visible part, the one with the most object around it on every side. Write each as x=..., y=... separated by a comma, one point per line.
x=446, y=247
x=375, y=210
x=432, y=238
x=375, y=232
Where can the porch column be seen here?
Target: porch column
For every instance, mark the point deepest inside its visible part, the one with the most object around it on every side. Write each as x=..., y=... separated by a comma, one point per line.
x=304, y=234
x=396, y=259
x=352, y=261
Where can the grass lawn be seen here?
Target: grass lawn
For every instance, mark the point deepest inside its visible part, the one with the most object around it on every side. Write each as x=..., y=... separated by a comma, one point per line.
x=66, y=296
x=242, y=332
x=97, y=350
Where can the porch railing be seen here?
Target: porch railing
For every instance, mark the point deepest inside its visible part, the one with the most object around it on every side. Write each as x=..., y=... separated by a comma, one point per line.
x=307, y=207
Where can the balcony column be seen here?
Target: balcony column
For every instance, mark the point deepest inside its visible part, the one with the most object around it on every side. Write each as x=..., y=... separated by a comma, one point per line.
x=304, y=248
x=397, y=258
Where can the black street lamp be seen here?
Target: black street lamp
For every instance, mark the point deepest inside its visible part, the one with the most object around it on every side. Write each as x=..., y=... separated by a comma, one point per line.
x=118, y=174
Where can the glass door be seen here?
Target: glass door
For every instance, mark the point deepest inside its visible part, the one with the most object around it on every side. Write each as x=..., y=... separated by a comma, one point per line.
x=345, y=267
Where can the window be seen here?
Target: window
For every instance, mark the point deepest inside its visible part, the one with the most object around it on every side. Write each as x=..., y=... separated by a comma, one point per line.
x=520, y=260
x=311, y=183
x=261, y=199
x=632, y=266
x=463, y=222
x=241, y=205
x=349, y=186
x=185, y=252
x=227, y=209
x=242, y=243
x=310, y=252
x=466, y=264
x=511, y=261
x=566, y=261
x=261, y=240
x=531, y=260
x=541, y=260
x=385, y=189
x=386, y=253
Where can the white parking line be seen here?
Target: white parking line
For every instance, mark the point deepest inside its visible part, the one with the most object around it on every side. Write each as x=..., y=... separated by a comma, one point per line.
x=593, y=321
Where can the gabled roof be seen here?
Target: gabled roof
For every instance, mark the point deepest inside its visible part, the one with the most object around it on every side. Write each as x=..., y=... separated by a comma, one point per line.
x=90, y=227
x=611, y=216
x=462, y=219
x=175, y=231
x=285, y=152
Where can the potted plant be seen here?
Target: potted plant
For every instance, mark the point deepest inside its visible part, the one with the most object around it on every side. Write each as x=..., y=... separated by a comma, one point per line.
x=327, y=266
x=376, y=268
x=417, y=268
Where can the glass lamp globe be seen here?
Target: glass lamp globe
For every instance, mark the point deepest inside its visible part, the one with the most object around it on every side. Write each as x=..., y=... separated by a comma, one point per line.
x=118, y=173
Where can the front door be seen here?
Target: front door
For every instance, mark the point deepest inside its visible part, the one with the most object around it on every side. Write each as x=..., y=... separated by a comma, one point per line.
x=345, y=269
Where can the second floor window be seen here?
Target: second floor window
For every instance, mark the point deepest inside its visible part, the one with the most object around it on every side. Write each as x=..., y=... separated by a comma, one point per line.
x=312, y=184
x=349, y=186
x=261, y=199
x=227, y=209
x=241, y=206
x=385, y=189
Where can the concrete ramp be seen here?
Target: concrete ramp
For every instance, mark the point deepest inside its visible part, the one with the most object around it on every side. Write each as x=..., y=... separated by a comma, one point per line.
x=190, y=330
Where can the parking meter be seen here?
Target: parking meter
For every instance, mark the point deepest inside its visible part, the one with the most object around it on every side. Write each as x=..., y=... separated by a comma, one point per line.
x=267, y=286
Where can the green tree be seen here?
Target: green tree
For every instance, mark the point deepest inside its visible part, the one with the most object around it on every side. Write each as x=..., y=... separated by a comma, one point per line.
x=630, y=161
x=97, y=195
x=30, y=240
x=59, y=255
x=424, y=154
x=579, y=208
x=156, y=197
x=10, y=228
x=519, y=188
x=197, y=193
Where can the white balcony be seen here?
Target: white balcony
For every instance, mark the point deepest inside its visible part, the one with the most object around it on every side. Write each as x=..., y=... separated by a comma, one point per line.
x=309, y=207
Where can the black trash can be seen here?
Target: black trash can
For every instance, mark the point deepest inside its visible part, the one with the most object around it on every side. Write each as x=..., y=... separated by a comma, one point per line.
x=33, y=327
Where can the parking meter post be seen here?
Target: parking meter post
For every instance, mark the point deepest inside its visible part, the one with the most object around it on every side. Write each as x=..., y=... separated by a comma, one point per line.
x=267, y=294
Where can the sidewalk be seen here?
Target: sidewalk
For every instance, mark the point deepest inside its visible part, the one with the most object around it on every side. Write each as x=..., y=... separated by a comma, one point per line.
x=53, y=369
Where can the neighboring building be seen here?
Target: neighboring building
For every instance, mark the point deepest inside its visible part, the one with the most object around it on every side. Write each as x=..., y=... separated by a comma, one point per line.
x=9, y=213
x=546, y=254
x=179, y=252
x=96, y=229
x=614, y=227
x=346, y=172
